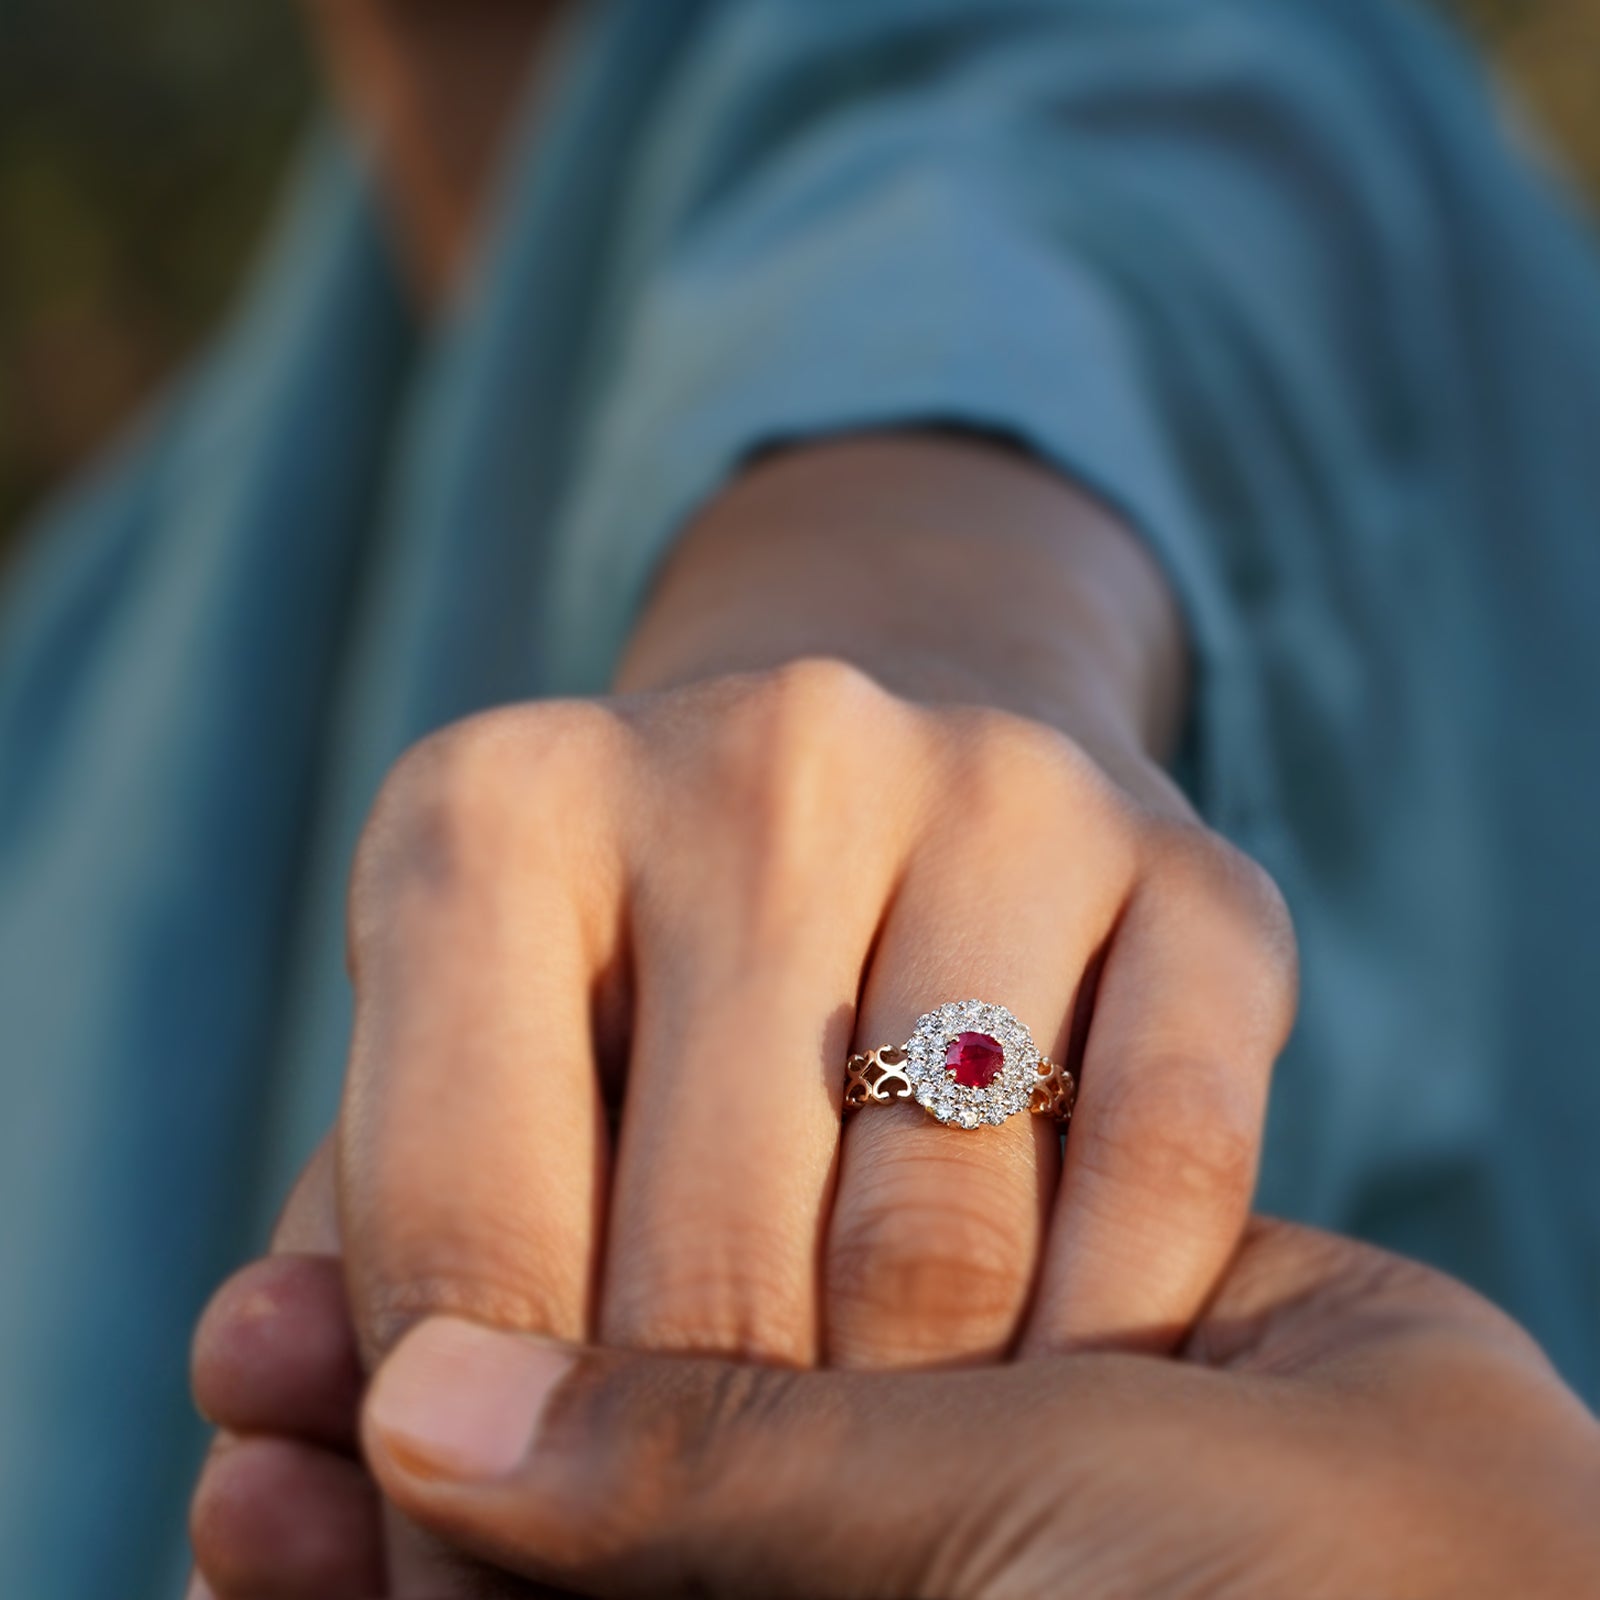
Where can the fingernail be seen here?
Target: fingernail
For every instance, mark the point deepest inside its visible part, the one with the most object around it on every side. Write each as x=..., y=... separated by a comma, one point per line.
x=458, y=1400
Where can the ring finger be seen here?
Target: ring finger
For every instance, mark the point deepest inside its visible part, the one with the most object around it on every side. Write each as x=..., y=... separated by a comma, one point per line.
x=937, y=1229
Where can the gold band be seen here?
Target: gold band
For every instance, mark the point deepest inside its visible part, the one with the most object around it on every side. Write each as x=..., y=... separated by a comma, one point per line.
x=877, y=1077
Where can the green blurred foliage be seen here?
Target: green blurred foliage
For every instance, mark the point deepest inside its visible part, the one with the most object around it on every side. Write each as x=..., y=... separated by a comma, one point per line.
x=140, y=149
x=142, y=144
x=1549, y=50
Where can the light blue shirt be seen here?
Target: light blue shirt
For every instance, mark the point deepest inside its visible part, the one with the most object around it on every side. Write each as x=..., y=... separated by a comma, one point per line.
x=1268, y=275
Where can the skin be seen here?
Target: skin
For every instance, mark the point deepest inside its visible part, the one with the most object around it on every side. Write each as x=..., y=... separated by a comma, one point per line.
x=692, y=902
x=817, y=807
x=1340, y=1422
x=432, y=93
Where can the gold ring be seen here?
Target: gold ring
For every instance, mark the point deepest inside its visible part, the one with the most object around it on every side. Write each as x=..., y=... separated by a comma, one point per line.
x=966, y=1063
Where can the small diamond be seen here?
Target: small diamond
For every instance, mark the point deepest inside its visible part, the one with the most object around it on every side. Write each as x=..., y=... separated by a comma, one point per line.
x=971, y=1063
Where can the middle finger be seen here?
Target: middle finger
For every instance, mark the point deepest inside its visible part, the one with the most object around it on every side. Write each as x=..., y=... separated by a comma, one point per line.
x=760, y=878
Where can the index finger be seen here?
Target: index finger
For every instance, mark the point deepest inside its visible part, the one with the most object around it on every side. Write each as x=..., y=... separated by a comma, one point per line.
x=473, y=1137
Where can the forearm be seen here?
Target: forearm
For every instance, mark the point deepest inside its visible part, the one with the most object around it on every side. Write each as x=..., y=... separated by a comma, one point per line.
x=950, y=568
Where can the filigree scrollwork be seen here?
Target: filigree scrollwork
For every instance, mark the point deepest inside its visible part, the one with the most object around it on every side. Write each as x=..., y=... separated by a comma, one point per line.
x=876, y=1076
x=1054, y=1091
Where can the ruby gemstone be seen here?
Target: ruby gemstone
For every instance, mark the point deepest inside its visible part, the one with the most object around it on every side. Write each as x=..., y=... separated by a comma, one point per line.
x=975, y=1059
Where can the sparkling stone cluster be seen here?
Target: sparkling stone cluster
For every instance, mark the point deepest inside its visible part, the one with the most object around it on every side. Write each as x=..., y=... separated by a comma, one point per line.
x=937, y=1054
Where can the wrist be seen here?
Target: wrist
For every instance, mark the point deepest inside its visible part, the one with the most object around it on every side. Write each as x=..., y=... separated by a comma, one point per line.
x=950, y=569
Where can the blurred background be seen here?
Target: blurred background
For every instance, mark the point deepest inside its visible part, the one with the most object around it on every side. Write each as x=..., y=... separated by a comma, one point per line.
x=141, y=146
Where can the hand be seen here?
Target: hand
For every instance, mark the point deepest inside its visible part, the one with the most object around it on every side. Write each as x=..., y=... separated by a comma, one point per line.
x=1341, y=1423
x=693, y=901
x=697, y=884
x=673, y=902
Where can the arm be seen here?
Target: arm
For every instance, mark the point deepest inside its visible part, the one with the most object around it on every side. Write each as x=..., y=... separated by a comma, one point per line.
x=948, y=568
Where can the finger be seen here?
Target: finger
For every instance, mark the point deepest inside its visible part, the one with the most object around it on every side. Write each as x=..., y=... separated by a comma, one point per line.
x=275, y=1352
x=642, y=1474
x=936, y=1229
x=308, y=1225
x=760, y=883
x=483, y=910
x=274, y=1519
x=1193, y=1005
x=1296, y=1297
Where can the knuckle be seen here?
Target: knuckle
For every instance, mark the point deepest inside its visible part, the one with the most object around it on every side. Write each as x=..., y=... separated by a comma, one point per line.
x=1238, y=913
x=692, y=1427
x=778, y=777
x=736, y=1300
x=229, y=1320
x=384, y=1312
x=1172, y=1129
x=654, y=1443
x=1021, y=750
x=1010, y=772
x=438, y=795
x=1260, y=904
x=483, y=1271
x=918, y=1268
x=464, y=800
x=241, y=1329
x=738, y=1401
x=820, y=689
x=786, y=731
x=1201, y=868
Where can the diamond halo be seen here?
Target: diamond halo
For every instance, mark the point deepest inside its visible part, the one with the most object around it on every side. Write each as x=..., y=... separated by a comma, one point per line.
x=934, y=1086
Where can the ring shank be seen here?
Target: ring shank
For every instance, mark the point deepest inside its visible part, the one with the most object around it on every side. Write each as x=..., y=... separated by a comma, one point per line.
x=878, y=1077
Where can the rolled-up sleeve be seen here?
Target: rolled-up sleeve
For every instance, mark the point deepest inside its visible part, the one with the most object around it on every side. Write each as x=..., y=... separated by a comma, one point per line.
x=1170, y=248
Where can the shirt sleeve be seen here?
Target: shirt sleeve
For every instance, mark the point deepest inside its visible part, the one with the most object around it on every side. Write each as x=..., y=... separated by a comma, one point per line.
x=1168, y=247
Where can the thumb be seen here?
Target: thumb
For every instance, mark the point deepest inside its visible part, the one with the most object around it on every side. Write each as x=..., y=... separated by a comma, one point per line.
x=619, y=1473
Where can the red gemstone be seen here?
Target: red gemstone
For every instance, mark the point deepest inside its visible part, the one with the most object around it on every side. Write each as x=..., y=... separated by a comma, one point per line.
x=975, y=1059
